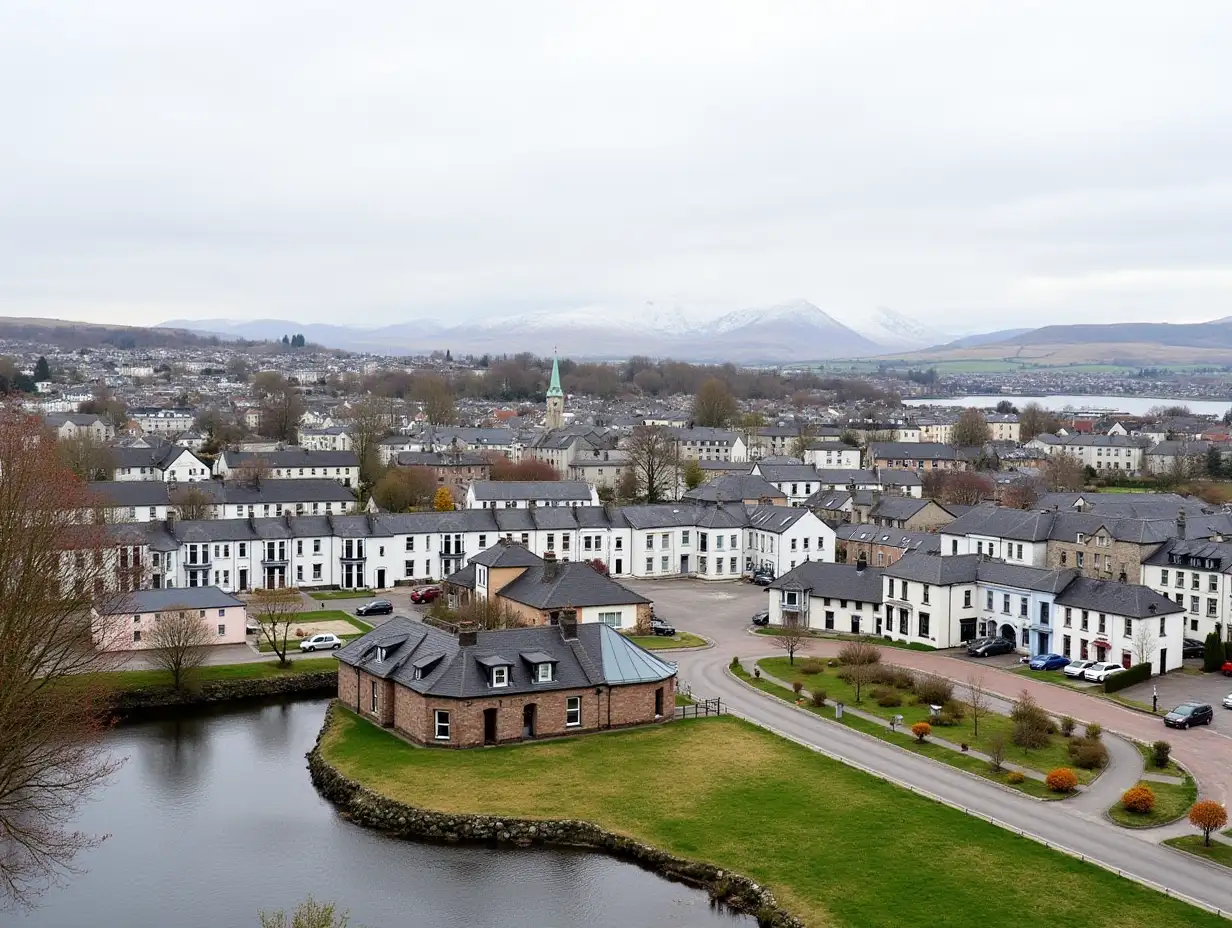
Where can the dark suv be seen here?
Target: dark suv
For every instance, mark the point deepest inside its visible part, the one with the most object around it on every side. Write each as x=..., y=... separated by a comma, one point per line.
x=1188, y=714
x=986, y=647
x=659, y=627
x=763, y=576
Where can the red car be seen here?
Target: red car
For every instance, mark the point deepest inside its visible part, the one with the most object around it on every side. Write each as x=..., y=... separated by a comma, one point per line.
x=425, y=594
x=1226, y=669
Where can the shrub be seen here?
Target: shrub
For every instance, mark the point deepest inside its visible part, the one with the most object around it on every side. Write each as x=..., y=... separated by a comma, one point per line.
x=812, y=665
x=947, y=718
x=1135, y=674
x=933, y=690
x=1209, y=816
x=1212, y=653
x=1161, y=751
x=955, y=708
x=832, y=663
x=1091, y=756
x=796, y=687
x=921, y=730
x=1094, y=731
x=1031, y=723
x=1015, y=776
x=1138, y=799
x=1061, y=780
x=1067, y=726
x=885, y=675
x=859, y=652
x=735, y=663
x=888, y=699
x=995, y=748
x=818, y=698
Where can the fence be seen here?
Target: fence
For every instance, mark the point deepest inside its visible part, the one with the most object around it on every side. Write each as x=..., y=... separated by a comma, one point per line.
x=704, y=707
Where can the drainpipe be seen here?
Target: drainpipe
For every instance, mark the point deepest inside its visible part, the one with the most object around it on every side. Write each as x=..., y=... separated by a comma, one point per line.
x=358, y=695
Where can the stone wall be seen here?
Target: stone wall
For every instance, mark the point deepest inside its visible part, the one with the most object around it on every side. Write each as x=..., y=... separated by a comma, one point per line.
x=131, y=704
x=372, y=810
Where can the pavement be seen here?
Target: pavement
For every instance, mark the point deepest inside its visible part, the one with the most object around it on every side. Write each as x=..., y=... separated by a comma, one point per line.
x=721, y=613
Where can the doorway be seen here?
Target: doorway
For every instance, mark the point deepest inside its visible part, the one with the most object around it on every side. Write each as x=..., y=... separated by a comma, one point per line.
x=684, y=563
x=528, y=720
x=620, y=565
x=243, y=578
x=1163, y=660
x=489, y=726
x=380, y=578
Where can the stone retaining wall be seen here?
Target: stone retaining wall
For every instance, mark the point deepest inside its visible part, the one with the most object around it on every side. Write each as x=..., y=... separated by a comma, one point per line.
x=372, y=810
x=130, y=704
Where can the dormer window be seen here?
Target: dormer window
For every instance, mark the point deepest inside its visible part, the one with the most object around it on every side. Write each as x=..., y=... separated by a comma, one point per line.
x=500, y=676
x=543, y=673
x=380, y=655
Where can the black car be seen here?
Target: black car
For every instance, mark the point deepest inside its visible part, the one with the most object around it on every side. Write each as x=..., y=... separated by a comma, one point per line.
x=659, y=627
x=986, y=647
x=763, y=576
x=1188, y=714
x=376, y=607
x=1192, y=647
x=761, y=618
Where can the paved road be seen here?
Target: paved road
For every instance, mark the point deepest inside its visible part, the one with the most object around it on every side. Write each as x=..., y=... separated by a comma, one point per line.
x=721, y=613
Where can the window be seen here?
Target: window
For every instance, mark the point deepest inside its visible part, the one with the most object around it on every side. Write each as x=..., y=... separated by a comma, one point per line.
x=1212, y=585
x=904, y=583
x=954, y=546
x=222, y=631
x=1195, y=581
x=1022, y=605
x=1085, y=617
x=1129, y=628
x=684, y=537
x=1044, y=609
x=1103, y=624
x=990, y=600
x=299, y=547
x=791, y=598
x=733, y=565
x=573, y=711
x=410, y=543
x=1180, y=578
x=1193, y=604
x=1212, y=607
x=902, y=621
x=793, y=544
x=663, y=561
x=1005, y=603
x=1064, y=558
x=611, y=618
x=650, y=542
x=1163, y=626
x=374, y=699
x=966, y=599
x=829, y=619
x=543, y=673
x=925, y=593
x=1163, y=578
x=500, y=676
x=924, y=624
x=650, y=565
x=137, y=635
x=440, y=719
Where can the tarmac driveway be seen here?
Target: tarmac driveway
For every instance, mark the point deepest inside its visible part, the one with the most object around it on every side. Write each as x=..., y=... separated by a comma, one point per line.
x=1176, y=688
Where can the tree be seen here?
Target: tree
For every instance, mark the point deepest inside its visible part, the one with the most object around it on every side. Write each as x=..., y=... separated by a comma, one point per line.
x=1031, y=723
x=53, y=569
x=978, y=701
x=1022, y=494
x=1144, y=643
x=653, y=460
x=308, y=914
x=527, y=469
x=42, y=370
x=714, y=406
x=281, y=408
x=626, y=486
x=436, y=397
x=367, y=422
x=1063, y=472
x=966, y=488
x=179, y=643
x=403, y=489
x=803, y=440
x=443, y=500
x=693, y=474
x=1005, y=407
x=275, y=609
x=192, y=502
x=971, y=429
x=1036, y=420
x=1214, y=462
x=87, y=457
x=1212, y=653
x=860, y=662
x=748, y=426
x=1209, y=816
x=252, y=472
x=104, y=404
x=791, y=634
x=238, y=368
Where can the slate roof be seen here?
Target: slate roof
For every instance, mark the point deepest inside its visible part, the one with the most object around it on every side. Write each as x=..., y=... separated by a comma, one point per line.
x=892, y=537
x=292, y=457
x=734, y=488
x=911, y=451
x=575, y=584
x=506, y=555
x=598, y=656
x=1218, y=550
x=787, y=473
x=1124, y=599
x=531, y=489
x=1002, y=522
x=828, y=499
x=184, y=597
x=900, y=507
x=776, y=519
x=1025, y=578
x=892, y=477
x=838, y=581
x=441, y=459
x=841, y=476
x=933, y=568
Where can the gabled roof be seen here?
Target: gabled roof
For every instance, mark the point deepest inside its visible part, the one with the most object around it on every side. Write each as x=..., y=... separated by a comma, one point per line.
x=838, y=581
x=901, y=507
x=574, y=584
x=776, y=519
x=911, y=451
x=531, y=489
x=504, y=554
x=733, y=488
x=1002, y=522
x=1124, y=599
x=186, y=597
x=933, y=568
x=292, y=457
x=1022, y=577
x=891, y=537
x=786, y=473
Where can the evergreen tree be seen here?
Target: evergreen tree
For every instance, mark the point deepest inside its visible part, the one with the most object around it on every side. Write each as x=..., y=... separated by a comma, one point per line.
x=448, y=355
x=1214, y=462
x=42, y=370
x=286, y=341
x=1212, y=653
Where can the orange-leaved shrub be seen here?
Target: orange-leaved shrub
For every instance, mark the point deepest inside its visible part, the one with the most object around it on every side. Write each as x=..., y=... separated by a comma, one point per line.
x=1061, y=780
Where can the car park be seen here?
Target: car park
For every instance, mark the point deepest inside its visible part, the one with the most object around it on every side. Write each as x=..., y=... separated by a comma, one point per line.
x=1188, y=714
x=659, y=627
x=376, y=607
x=425, y=594
x=761, y=618
x=1101, y=671
x=321, y=643
x=1047, y=662
x=986, y=647
x=1076, y=668
x=1192, y=647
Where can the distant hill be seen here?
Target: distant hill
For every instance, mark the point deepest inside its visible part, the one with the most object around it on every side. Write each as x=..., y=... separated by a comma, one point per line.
x=985, y=338
x=73, y=335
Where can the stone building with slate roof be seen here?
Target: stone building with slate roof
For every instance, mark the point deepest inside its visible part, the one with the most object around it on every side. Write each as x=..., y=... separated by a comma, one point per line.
x=474, y=688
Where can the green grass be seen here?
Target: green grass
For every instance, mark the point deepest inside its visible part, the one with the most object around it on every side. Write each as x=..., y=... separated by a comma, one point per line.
x=321, y=615
x=683, y=700
x=774, y=632
x=1217, y=853
x=326, y=595
x=147, y=679
x=1172, y=770
x=908, y=742
x=738, y=797
x=1172, y=801
x=1055, y=754
x=665, y=643
x=1057, y=678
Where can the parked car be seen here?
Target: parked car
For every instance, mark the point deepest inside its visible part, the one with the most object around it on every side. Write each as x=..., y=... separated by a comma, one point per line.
x=252, y=628
x=761, y=618
x=425, y=594
x=1047, y=662
x=321, y=643
x=659, y=627
x=377, y=607
x=763, y=576
x=1188, y=714
x=1192, y=647
x=1226, y=669
x=1101, y=671
x=986, y=647
x=1227, y=701
x=1077, y=668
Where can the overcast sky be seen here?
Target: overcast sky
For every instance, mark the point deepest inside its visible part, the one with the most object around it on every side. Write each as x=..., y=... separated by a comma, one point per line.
x=974, y=165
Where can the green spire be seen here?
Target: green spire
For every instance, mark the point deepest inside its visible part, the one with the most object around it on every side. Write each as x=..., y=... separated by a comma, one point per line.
x=554, y=387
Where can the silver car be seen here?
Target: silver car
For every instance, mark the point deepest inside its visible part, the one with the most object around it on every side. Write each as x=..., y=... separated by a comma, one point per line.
x=1227, y=701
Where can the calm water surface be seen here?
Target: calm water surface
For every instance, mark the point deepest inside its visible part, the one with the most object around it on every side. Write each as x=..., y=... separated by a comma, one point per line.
x=213, y=818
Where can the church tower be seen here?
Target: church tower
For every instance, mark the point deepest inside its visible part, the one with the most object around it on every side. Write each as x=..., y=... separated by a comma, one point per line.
x=556, y=399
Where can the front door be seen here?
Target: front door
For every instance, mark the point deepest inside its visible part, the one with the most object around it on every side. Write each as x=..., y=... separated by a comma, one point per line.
x=855, y=625
x=1044, y=643
x=620, y=566
x=489, y=726
x=1163, y=660
x=879, y=623
x=684, y=563
x=380, y=578
x=966, y=629
x=243, y=578
x=528, y=720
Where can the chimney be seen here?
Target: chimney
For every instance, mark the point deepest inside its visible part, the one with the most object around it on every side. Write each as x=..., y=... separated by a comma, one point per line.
x=860, y=564
x=550, y=567
x=1180, y=525
x=568, y=625
x=468, y=635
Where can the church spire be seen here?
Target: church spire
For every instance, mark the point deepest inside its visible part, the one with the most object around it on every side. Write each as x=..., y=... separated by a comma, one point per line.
x=554, y=387
x=556, y=398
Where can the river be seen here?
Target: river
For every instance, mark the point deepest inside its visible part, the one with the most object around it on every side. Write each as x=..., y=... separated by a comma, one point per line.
x=1131, y=405
x=213, y=818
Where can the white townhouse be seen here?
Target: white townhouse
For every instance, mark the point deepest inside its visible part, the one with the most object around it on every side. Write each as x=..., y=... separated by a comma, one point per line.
x=170, y=463
x=844, y=598
x=70, y=425
x=1104, y=620
x=1100, y=452
x=153, y=500
x=847, y=478
x=710, y=444
x=782, y=537
x=1019, y=603
x=930, y=600
x=795, y=481
x=292, y=464
x=1196, y=576
x=1016, y=536
x=333, y=438
x=832, y=455
x=528, y=494
x=162, y=421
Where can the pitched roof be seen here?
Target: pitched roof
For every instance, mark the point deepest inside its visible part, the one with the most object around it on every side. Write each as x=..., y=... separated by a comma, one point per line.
x=911, y=451
x=184, y=597
x=531, y=489
x=574, y=584
x=504, y=554
x=933, y=568
x=1124, y=599
x=891, y=537
x=839, y=581
x=733, y=488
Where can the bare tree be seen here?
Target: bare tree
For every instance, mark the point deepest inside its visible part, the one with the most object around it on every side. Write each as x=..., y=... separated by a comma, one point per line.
x=1063, y=472
x=368, y=421
x=714, y=404
x=859, y=660
x=653, y=460
x=53, y=570
x=405, y=488
x=966, y=488
x=1022, y=494
x=179, y=643
x=1036, y=420
x=971, y=429
x=790, y=636
x=192, y=502
x=996, y=747
x=436, y=397
x=87, y=457
x=252, y=472
x=805, y=432
x=281, y=407
x=979, y=701
x=1144, y=643
x=276, y=610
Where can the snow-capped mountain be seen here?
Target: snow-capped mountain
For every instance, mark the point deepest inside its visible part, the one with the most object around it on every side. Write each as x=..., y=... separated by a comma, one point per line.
x=894, y=330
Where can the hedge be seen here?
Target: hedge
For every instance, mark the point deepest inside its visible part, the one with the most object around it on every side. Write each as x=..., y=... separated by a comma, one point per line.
x=1135, y=674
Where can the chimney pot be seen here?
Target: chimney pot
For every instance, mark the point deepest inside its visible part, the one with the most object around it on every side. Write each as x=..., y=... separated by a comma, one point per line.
x=568, y=625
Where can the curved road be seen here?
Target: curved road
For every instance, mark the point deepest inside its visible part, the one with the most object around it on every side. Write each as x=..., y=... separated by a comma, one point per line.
x=722, y=614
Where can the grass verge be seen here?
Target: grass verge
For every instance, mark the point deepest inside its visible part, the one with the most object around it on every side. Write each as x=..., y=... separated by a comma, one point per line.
x=327, y=595
x=1217, y=853
x=1055, y=754
x=740, y=798
x=683, y=700
x=1172, y=801
x=148, y=679
x=1057, y=678
x=322, y=615
x=666, y=643
x=1172, y=770
x=880, y=642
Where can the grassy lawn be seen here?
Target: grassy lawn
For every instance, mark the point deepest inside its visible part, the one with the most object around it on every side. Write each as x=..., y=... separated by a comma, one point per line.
x=1090, y=689
x=683, y=700
x=1172, y=770
x=1172, y=801
x=880, y=642
x=666, y=643
x=743, y=799
x=327, y=595
x=1192, y=844
x=146, y=679
x=321, y=615
x=906, y=741
x=1043, y=760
